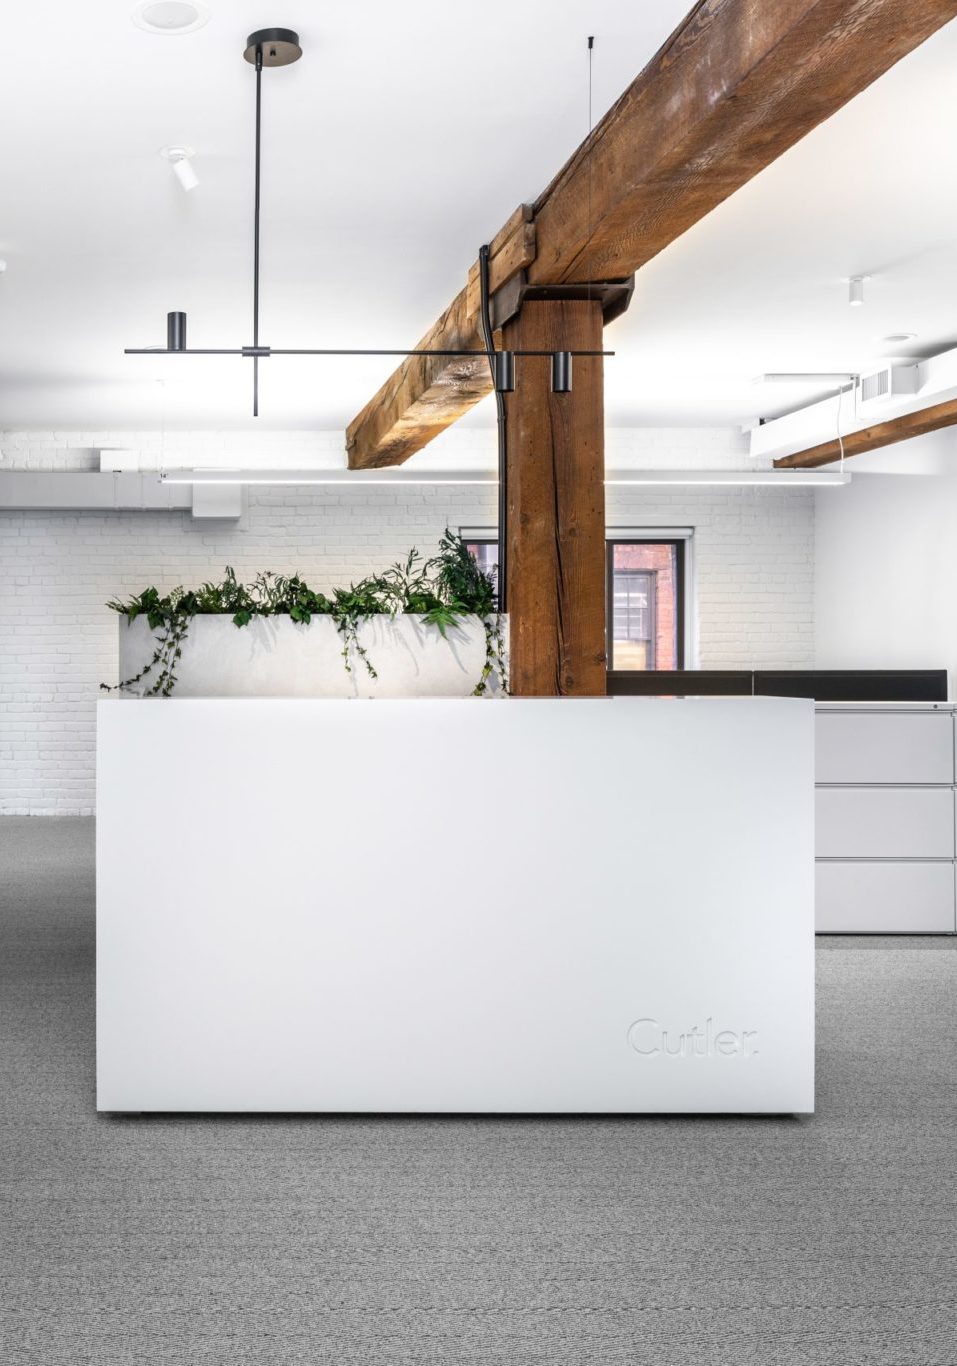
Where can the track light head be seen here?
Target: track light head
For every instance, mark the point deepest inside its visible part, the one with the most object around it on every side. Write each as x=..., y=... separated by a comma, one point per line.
x=184, y=173
x=561, y=372
x=180, y=158
x=176, y=331
x=503, y=370
x=855, y=290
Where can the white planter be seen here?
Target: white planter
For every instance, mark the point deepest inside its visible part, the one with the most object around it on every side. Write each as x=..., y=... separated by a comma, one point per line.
x=278, y=657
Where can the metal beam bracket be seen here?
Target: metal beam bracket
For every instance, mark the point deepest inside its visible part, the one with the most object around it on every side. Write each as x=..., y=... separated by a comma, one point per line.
x=613, y=295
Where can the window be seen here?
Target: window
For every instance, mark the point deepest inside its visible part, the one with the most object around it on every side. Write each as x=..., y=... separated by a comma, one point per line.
x=485, y=549
x=633, y=617
x=645, y=601
x=645, y=604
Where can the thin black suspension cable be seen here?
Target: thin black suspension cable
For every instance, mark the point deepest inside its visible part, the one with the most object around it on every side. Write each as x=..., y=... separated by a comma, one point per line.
x=591, y=55
x=259, y=82
x=502, y=429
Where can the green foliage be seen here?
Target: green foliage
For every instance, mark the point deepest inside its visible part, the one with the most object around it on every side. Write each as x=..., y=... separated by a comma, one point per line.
x=277, y=595
x=442, y=590
x=460, y=580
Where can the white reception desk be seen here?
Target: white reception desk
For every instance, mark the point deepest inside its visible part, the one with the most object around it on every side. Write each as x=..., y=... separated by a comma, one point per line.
x=455, y=906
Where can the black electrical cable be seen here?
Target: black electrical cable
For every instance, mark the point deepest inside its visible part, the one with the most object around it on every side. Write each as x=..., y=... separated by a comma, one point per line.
x=502, y=428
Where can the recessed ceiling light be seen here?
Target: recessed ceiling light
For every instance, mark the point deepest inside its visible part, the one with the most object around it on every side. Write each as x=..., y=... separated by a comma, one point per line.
x=899, y=337
x=170, y=16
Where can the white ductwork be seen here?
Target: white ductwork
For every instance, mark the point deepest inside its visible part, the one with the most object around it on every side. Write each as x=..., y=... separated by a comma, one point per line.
x=894, y=391
x=880, y=387
x=79, y=491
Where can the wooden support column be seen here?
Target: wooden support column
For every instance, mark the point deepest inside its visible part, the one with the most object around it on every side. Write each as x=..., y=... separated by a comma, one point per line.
x=555, y=526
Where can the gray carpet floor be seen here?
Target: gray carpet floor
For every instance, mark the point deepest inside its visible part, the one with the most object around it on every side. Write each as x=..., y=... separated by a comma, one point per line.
x=666, y=1242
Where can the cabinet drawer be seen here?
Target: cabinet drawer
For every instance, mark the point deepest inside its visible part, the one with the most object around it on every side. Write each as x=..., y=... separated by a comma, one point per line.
x=884, y=822
x=885, y=898
x=884, y=747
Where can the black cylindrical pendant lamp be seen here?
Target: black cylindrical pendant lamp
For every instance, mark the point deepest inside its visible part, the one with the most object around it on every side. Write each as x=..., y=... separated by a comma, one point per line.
x=176, y=331
x=504, y=369
x=561, y=372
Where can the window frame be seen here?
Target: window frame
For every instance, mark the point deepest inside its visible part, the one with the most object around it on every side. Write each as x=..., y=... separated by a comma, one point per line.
x=485, y=535
x=681, y=537
x=681, y=541
x=651, y=575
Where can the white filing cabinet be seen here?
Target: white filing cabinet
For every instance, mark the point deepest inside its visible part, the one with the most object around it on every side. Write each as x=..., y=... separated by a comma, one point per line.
x=885, y=841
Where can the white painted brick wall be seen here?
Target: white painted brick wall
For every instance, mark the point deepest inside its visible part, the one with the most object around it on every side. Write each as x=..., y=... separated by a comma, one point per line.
x=752, y=597
x=753, y=567
x=461, y=447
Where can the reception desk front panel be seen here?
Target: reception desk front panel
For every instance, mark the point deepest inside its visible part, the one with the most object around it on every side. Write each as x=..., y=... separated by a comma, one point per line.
x=515, y=906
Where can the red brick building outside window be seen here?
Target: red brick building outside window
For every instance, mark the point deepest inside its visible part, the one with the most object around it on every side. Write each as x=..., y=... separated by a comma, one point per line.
x=645, y=602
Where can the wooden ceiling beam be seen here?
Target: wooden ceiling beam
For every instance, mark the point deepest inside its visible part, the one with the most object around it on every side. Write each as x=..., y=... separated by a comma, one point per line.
x=736, y=85
x=510, y=251
x=425, y=394
x=422, y=397
x=873, y=438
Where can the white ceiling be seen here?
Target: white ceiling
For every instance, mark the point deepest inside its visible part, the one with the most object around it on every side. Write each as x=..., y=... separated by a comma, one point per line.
x=399, y=143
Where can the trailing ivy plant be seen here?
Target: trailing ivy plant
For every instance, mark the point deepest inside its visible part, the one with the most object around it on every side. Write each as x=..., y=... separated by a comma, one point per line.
x=442, y=590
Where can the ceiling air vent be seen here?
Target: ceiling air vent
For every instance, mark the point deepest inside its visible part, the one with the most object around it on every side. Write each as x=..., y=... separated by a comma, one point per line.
x=892, y=381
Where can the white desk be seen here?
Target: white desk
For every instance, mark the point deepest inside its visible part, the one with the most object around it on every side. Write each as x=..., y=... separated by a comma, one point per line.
x=510, y=906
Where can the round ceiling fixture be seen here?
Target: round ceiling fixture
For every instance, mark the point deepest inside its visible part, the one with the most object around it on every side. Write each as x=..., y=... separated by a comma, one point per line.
x=170, y=16
x=896, y=337
x=273, y=47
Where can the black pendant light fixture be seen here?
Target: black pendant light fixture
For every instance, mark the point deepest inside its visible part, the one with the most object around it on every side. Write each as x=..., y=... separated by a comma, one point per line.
x=277, y=47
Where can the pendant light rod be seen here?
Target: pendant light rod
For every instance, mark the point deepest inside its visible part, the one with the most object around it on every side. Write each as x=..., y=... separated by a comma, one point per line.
x=256, y=189
x=265, y=47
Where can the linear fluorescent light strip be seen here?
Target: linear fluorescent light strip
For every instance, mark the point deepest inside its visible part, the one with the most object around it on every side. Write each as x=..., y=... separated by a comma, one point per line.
x=661, y=478
x=808, y=377
x=731, y=478
x=355, y=477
